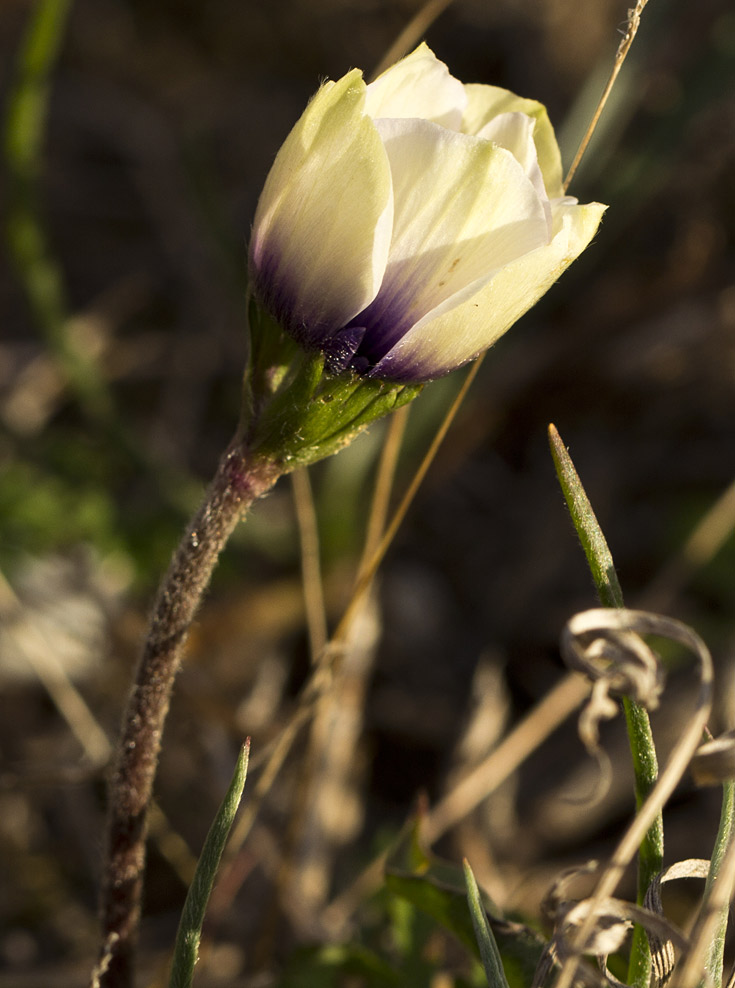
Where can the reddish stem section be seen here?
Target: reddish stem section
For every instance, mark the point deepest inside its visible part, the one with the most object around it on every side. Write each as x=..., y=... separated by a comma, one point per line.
x=236, y=485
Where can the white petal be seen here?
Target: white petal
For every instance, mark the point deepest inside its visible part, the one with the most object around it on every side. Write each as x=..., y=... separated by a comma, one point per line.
x=418, y=86
x=514, y=132
x=322, y=227
x=463, y=208
x=486, y=102
x=453, y=335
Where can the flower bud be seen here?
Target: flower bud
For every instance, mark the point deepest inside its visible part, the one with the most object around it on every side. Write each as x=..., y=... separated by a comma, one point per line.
x=407, y=224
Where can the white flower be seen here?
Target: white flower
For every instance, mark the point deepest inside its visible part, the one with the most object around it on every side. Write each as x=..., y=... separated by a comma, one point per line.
x=407, y=224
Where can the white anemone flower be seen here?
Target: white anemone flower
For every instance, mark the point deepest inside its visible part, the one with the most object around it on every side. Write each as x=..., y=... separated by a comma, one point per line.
x=405, y=225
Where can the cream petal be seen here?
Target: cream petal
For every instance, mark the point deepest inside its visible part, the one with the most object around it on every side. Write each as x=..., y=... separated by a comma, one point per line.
x=514, y=132
x=456, y=333
x=486, y=102
x=323, y=224
x=463, y=208
x=418, y=86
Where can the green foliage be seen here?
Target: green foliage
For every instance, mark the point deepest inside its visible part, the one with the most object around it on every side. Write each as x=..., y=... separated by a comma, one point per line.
x=491, y=959
x=328, y=967
x=186, y=949
x=439, y=889
x=407, y=930
x=43, y=510
x=41, y=275
x=594, y=543
x=725, y=833
x=643, y=750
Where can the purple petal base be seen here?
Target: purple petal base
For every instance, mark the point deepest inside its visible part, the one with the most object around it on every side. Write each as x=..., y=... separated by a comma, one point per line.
x=272, y=287
x=340, y=350
x=364, y=345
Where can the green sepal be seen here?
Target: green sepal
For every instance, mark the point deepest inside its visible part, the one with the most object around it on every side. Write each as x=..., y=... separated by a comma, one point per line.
x=296, y=411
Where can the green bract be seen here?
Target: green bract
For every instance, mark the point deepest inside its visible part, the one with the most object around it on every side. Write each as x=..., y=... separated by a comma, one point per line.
x=296, y=412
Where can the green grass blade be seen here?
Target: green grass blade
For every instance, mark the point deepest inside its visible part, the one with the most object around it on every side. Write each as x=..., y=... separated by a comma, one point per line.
x=39, y=272
x=599, y=557
x=23, y=135
x=725, y=835
x=28, y=104
x=188, y=937
x=489, y=952
x=643, y=751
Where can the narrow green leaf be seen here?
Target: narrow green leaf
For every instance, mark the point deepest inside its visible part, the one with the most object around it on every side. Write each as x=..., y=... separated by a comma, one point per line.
x=23, y=135
x=186, y=949
x=599, y=557
x=438, y=888
x=640, y=736
x=28, y=104
x=725, y=836
x=489, y=952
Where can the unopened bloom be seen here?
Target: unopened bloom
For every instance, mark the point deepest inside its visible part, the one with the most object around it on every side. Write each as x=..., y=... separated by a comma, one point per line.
x=407, y=224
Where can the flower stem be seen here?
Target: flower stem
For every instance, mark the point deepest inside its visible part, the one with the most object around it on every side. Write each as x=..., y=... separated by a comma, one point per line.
x=237, y=483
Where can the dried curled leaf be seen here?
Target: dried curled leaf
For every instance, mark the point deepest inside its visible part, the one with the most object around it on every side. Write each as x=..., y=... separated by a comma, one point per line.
x=662, y=949
x=644, y=623
x=601, y=644
x=598, y=927
x=714, y=761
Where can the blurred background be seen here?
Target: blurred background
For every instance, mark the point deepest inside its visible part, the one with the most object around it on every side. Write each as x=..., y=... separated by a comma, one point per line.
x=122, y=285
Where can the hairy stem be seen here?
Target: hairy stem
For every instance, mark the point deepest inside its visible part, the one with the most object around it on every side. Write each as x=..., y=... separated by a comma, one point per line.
x=237, y=483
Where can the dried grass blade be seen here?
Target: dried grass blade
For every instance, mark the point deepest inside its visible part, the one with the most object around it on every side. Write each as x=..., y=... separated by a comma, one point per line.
x=634, y=21
x=412, y=32
x=311, y=575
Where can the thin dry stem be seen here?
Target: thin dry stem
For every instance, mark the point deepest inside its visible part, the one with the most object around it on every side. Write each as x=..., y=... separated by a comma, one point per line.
x=633, y=23
x=412, y=32
x=369, y=571
x=468, y=794
x=275, y=755
x=383, y=485
x=311, y=573
x=333, y=807
x=702, y=545
x=328, y=770
x=40, y=654
x=483, y=780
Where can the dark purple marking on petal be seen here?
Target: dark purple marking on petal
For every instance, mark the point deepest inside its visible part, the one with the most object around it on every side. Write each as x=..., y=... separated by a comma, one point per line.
x=406, y=370
x=387, y=319
x=364, y=342
x=340, y=349
x=273, y=288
